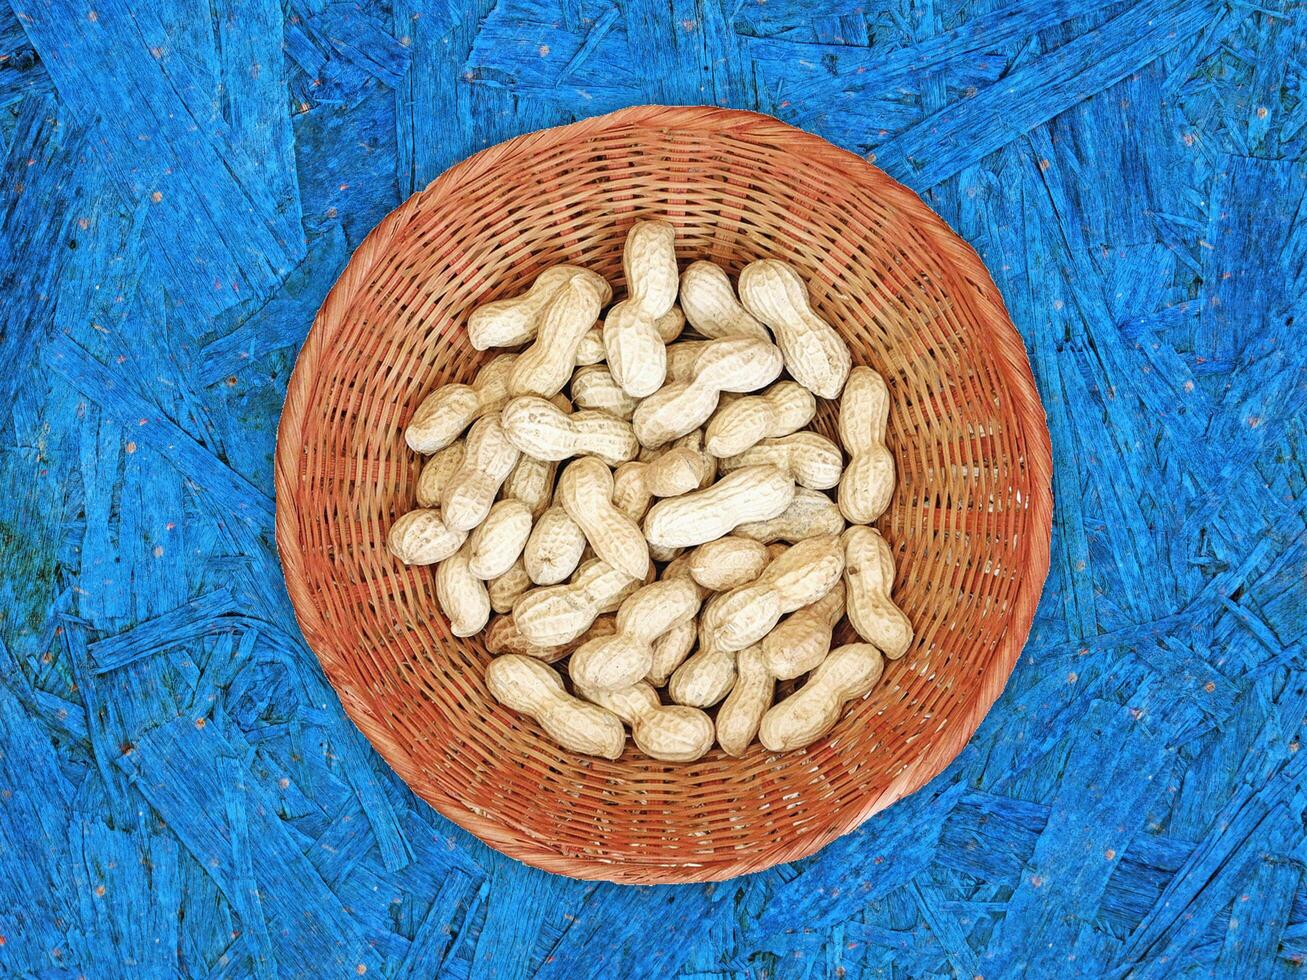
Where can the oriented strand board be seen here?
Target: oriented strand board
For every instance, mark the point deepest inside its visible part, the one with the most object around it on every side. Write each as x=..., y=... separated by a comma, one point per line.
x=180, y=792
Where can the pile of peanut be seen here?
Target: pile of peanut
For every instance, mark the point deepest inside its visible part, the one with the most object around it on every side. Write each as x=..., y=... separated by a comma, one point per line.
x=690, y=544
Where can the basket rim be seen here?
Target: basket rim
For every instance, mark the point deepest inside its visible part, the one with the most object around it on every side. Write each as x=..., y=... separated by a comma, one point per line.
x=1014, y=367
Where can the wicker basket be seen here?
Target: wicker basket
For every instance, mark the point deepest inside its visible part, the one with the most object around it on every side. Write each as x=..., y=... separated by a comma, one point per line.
x=969, y=523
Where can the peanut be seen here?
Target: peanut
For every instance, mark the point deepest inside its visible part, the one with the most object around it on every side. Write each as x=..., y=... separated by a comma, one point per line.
x=532, y=482
x=594, y=388
x=585, y=491
x=711, y=307
x=868, y=580
x=447, y=411
x=421, y=537
x=815, y=355
x=727, y=563
x=670, y=650
x=705, y=678
x=591, y=349
x=503, y=636
x=741, y=713
x=670, y=324
x=682, y=468
x=559, y=613
x=868, y=483
x=849, y=672
x=810, y=458
x=539, y=429
x=498, y=542
x=783, y=408
x=436, y=472
x=535, y=689
x=731, y=364
x=803, y=639
x=754, y=493
x=618, y=661
x=671, y=733
x=675, y=472
x=513, y=321
x=505, y=589
x=631, y=493
x=637, y=353
x=545, y=366
x=798, y=578
x=461, y=594
x=554, y=548
x=471, y=490
x=678, y=567
x=631, y=496
x=809, y=515
x=681, y=357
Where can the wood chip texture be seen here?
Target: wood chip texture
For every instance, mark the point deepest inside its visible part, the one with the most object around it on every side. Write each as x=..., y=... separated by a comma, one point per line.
x=181, y=790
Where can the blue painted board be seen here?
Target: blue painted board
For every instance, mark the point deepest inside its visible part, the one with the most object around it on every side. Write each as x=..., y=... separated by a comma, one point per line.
x=181, y=182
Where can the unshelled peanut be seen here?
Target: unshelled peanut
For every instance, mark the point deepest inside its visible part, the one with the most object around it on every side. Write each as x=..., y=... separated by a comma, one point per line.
x=671, y=733
x=531, y=481
x=681, y=357
x=471, y=489
x=869, y=580
x=731, y=364
x=461, y=594
x=754, y=493
x=503, y=636
x=868, y=482
x=558, y=613
x=682, y=468
x=637, y=353
x=710, y=305
x=670, y=324
x=618, y=661
x=705, y=677
x=798, y=578
x=813, y=460
x=513, y=321
x=450, y=409
x=675, y=472
x=594, y=388
x=810, y=514
x=506, y=589
x=421, y=537
x=545, y=367
x=728, y=562
x=498, y=542
x=670, y=651
x=553, y=550
x=591, y=349
x=533, y=688
x=741, y=713
x=436, y=472
x=815, y=355
x=848, y=672
x=783, y=408
x=538, y=428
x=585, y=491
x=801, y=641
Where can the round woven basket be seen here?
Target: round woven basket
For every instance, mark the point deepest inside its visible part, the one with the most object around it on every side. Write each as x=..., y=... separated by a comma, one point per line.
x=969, y=522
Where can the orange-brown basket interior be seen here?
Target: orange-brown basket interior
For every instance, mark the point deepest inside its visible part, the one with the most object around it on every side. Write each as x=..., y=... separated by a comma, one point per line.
x=969, y=522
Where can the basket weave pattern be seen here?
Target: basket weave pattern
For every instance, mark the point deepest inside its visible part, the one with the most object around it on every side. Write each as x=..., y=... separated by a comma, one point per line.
x=969, y=522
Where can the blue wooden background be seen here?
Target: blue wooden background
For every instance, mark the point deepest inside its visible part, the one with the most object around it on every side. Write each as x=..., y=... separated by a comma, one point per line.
x=180, y=793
